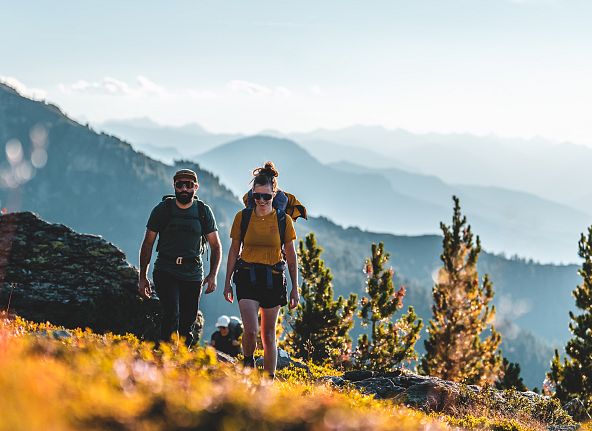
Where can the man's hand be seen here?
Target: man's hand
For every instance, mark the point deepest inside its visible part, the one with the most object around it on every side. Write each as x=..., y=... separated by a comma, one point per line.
x=228, y=295
x=210, y=280
x=294, y=297
x=144, y=289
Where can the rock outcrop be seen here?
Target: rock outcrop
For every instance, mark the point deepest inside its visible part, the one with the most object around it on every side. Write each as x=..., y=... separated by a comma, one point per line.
x=432, y=394
x=50, y=273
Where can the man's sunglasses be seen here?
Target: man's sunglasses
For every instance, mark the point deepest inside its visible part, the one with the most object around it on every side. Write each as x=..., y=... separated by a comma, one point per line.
x=264, y=196
x=188, y=184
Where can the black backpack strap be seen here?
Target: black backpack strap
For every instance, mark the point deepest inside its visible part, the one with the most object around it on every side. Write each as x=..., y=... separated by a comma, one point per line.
x=250, y=200
x=168, y=205
x=245, y=219
x=201, y=210
x=169, y=201
x=281, y=219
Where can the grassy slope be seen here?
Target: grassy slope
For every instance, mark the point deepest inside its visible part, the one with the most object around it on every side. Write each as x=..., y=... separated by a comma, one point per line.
x=87, y=381
x=54, y=381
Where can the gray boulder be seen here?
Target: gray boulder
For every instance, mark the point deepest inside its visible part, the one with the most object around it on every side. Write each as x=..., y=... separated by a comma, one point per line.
x=432, y=394
x=577, y=410
x=381, y=387
x=50, y=273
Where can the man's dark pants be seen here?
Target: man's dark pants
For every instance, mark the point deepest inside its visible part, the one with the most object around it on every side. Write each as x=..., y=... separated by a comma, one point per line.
x=180, y=303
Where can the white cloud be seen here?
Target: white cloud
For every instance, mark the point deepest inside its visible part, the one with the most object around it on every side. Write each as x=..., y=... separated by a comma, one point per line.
x=107, y=85
x=114, y=87
x=150, y=87
x=111, y=86
x=254, y=89
x=143, y=87
x=248, y=88
x=33, y=93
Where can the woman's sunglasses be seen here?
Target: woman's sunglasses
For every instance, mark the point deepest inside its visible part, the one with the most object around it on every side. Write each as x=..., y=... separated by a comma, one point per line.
x=263, y=196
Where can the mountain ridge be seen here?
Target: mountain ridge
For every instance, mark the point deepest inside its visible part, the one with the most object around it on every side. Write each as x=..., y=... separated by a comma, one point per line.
x=512, y=222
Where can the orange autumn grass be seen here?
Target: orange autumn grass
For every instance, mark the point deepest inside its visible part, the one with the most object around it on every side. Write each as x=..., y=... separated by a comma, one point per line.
x=51, y=381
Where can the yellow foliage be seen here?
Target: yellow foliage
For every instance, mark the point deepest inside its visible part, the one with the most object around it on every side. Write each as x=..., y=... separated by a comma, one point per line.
x=51, y=379
x=470, y=422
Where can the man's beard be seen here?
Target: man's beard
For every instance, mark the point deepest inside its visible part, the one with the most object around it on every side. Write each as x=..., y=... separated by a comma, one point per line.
x=184, y=197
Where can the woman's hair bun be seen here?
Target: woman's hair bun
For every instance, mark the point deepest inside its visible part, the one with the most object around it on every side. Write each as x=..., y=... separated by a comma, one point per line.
x=268, y=169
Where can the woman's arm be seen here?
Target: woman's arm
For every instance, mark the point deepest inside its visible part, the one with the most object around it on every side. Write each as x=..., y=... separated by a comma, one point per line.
x=233, y=254
x=291, y=258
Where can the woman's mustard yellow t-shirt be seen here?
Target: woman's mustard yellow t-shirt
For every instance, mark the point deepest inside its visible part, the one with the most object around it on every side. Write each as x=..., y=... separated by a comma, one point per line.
x=262, y=240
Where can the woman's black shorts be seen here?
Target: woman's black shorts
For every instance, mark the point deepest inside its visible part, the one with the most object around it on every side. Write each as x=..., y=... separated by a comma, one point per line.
x=262, y=283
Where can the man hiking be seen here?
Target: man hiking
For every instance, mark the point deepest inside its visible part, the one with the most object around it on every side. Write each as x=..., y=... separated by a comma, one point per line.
x=226, y=338
x=184, y=225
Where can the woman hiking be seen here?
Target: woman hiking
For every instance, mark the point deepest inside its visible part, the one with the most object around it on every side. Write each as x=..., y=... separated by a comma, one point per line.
x=262, y=237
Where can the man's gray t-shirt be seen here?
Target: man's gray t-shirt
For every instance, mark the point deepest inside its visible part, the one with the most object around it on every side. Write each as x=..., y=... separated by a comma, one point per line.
x=179, y=234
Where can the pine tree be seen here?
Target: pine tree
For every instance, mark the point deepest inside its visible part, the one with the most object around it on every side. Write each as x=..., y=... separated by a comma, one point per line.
x=389, y=343
x=511, y=377
x=321, y=324
x=456, y=348
x=573, y=377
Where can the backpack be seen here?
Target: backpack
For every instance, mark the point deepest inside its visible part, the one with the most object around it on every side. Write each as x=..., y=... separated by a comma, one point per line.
x=169, y=201
x=235, y=327
x=284, y=201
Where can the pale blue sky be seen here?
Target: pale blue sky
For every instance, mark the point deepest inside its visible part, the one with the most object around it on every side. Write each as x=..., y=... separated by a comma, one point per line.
x=514, y=68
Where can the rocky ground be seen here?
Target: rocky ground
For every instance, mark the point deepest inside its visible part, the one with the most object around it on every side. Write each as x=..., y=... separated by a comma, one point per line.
x=431, y=394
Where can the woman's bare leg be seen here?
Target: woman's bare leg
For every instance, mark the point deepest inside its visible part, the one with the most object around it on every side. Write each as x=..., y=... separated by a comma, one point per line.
x=268, y=323
x=249, y=309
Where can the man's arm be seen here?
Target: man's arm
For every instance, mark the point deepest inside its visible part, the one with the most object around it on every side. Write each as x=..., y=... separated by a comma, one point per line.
x=145, y=255
x=215, y=259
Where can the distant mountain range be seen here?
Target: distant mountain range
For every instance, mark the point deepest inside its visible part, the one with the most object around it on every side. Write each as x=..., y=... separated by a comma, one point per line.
x=96, y=183
x=486, y=172
x=401, y=202
x=165, y=143
x=552, y=170
x=557, y=171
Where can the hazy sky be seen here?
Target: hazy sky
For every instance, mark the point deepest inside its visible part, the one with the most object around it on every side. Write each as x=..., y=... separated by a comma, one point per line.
x=514, y=68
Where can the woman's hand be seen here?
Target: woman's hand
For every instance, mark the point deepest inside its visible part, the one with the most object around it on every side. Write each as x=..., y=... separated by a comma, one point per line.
x=228, y=294
x=294, y=297
x=233, y=253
